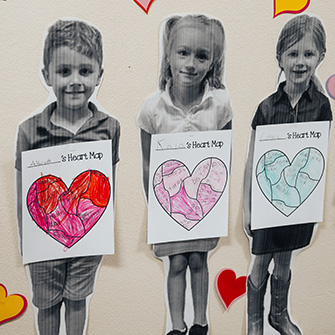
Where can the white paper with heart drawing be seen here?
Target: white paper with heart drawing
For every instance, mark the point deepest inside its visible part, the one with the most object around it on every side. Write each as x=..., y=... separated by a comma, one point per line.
x=68, y=201
x=289, y=173
x=188, y=186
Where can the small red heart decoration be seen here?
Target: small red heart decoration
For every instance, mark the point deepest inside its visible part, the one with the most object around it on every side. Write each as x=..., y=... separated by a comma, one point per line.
x=144, y=4
x=12, y=306
x=67, y=215
x=229, y=287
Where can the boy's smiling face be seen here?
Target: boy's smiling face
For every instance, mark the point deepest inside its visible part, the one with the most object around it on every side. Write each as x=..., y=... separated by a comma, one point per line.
x=73, y=78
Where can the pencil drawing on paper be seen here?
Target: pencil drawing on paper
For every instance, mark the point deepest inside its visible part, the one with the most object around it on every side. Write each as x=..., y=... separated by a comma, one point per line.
x=187, y=197
x=288, y=184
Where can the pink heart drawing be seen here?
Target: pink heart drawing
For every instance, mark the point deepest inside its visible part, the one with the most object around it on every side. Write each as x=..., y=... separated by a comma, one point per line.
x=67, y=215
x=144, y=4
x=187, y=197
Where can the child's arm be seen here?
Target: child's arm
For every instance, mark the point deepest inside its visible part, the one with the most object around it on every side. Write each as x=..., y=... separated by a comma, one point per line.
x=227, y=126
x=22, y=144
x=19, y=205
x=247, y=185
x=114, y=181
x=115, y=125
x=145, y=147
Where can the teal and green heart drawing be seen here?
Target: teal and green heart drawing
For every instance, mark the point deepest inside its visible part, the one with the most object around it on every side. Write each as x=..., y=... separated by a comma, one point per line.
x=286, y=185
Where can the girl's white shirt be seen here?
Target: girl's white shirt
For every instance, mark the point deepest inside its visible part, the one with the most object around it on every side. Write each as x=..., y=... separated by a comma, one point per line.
x=159, y=115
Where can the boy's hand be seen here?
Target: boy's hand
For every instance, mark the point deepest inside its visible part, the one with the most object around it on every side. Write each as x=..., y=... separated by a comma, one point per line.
x=19, y=205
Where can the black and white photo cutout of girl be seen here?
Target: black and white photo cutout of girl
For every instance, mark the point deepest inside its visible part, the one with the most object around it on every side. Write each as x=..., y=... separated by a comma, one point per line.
x=191, y=97
x=301, y=47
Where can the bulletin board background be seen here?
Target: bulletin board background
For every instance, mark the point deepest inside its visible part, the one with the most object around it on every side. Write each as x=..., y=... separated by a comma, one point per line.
x=129, y=297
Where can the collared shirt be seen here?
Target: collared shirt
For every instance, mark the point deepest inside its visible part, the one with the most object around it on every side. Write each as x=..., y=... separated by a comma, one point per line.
x=159, y=115
x=39, y=132
x=312, y=106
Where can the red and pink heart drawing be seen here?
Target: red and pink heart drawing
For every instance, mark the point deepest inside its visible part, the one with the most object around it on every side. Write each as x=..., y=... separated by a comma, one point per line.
x=188, y=197
x=67, y=215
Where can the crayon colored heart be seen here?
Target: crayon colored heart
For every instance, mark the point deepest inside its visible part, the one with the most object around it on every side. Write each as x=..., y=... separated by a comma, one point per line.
x=67, y=215
x=228, y=287
x=144, y=4
x=187, y=197
x=289, y=6
x=286, y=185
x=11, y=306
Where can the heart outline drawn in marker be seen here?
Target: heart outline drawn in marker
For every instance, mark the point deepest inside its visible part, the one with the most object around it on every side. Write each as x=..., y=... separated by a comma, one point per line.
x=230, y=288
x=289, y=6
x=68, y=214
x=144, y=4
x=189, y=197
x=288, y=184
x=12, y=306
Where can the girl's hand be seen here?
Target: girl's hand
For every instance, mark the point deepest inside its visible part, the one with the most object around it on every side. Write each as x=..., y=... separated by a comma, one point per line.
x=145, y=146
x=247, y=185
x=247, y=222
x=247, y=227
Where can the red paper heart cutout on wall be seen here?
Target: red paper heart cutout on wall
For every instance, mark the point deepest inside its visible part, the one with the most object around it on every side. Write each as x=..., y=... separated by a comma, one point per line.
x=11, y=306
x=229, y=287
x=144, y=4
x=67, y=215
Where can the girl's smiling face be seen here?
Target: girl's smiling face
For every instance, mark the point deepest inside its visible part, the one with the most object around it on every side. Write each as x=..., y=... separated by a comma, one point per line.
x=300, y=61
x=190, y=55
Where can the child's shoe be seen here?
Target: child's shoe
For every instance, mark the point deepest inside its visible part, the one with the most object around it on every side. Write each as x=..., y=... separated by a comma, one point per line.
x=279, y=318
x=255, y=306
x=177, y=332
x=198, y=330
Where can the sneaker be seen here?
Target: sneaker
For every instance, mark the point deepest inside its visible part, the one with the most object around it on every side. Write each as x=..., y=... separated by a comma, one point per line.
x=198, y=330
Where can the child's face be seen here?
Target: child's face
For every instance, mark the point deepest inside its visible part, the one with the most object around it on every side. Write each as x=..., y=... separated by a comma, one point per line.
x=300, y=61
x=73, y=77
x=190, y=56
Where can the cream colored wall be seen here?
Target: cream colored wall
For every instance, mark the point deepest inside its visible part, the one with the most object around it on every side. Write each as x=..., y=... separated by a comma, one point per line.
x=129, y=298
